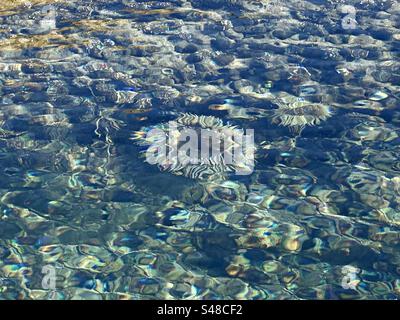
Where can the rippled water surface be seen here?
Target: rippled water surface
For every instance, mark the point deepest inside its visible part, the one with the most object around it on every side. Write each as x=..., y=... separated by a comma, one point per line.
x=81, y=81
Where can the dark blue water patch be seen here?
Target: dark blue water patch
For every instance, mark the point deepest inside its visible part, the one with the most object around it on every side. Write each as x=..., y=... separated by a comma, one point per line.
x=9, y=230
x=230, y=5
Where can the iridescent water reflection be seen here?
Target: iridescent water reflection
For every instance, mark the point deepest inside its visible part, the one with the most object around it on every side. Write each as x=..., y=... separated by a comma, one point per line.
x=317, y=219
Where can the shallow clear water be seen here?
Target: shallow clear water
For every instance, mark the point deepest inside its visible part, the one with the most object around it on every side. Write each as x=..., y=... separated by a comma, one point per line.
x=319, y=216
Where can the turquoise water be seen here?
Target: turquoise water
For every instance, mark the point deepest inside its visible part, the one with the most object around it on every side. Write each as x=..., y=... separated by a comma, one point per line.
x=84, y=216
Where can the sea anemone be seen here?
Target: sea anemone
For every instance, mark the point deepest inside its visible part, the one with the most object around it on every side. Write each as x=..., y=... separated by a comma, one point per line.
x=298, y=114
x=164, y=142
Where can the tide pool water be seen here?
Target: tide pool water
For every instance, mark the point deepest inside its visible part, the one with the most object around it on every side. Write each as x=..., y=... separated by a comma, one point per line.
x=278, y=122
